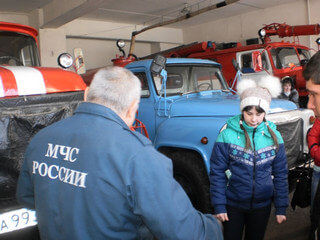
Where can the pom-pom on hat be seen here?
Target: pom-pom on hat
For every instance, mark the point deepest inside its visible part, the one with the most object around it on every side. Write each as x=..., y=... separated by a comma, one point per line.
x=258, y=93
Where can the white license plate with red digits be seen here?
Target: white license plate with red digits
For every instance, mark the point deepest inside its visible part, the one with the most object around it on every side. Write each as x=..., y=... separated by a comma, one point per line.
x=17, y=219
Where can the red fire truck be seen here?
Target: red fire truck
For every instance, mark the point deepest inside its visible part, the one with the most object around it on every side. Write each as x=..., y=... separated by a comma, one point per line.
x=31, y=98
x=282, y=59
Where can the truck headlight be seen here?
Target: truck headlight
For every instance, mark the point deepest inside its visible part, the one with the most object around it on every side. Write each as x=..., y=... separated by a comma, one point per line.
x=65, y=60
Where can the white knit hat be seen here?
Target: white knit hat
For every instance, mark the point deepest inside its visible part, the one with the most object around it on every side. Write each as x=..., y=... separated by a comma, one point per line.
x=258, y=93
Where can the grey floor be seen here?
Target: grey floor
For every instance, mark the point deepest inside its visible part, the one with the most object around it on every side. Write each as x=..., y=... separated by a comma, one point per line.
x=295, y=228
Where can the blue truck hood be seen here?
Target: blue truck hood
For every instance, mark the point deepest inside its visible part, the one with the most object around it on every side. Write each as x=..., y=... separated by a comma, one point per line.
x=215, y=105
x=199, y=105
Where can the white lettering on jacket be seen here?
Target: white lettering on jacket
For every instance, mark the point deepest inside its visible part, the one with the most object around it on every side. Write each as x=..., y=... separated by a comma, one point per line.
x=65, y=151
x=63, y=174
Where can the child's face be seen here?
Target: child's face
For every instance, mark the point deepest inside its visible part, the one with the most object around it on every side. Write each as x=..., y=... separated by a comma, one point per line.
x=287, y=87
x=253, y=118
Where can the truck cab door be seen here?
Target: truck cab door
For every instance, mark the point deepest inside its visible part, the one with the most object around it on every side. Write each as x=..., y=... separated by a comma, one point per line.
x=253, y=61
x=146, y=112
x=257, y=61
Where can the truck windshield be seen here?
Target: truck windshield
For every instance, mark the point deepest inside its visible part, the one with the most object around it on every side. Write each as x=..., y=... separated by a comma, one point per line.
x=197, y=78
x=285, y=57
x=304, y=54
x=18, y=50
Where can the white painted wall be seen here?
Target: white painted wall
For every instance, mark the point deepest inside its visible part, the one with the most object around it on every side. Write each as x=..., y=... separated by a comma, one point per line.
x=245, y=26
x=52, y=44
x=314, y=17
x=98, y=40
x=103, y=52
x=14, y=18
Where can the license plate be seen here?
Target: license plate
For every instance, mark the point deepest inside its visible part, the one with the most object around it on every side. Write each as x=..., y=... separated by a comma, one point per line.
x=17, y=219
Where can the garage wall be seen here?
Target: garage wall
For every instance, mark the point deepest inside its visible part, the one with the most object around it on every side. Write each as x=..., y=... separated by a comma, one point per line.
x=98, y=40
x=103, y=52
x=246, y=26
x=15, y=18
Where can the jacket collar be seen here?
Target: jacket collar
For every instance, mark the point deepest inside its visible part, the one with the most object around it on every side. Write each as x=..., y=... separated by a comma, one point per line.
x=261, y=128
x=234, y=123
x=100, y=110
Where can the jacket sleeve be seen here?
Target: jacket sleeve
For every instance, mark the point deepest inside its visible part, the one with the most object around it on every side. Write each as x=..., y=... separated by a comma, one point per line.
x=313, y=138
x=25, y=191
x=218, y=181
x=163, y=204
x=280, y=174
x=295, y=97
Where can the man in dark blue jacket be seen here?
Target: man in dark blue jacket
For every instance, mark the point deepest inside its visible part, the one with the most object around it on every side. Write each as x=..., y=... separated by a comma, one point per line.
x=90, y=177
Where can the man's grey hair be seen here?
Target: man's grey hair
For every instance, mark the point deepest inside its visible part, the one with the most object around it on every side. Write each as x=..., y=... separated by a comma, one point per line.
x=115, y=88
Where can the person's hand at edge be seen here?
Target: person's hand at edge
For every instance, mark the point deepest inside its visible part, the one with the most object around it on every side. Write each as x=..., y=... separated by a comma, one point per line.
x=222, y=217
x=281, y=218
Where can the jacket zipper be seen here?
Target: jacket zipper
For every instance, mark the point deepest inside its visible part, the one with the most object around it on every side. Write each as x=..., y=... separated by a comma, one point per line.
x=254, y=168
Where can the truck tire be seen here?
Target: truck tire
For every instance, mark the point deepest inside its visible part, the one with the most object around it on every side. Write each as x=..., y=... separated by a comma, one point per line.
x=189, y=171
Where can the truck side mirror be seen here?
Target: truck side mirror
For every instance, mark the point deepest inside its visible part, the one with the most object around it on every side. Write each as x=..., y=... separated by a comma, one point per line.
x=158, y=63
x=257, y=61
x=157, y=68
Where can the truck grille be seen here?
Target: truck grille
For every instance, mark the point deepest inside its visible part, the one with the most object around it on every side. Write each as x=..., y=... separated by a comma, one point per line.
x=20, y=119
x=292, y=134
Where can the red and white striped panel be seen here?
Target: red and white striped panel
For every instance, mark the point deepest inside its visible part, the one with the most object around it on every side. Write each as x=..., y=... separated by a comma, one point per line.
x=20, y=80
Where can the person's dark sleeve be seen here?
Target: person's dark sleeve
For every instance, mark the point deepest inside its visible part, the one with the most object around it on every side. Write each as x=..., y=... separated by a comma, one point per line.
x=280, y=173
x=282, y=96
x=25, y=191
x=313, y=138
x=162, y=202
x=295, y=97
x=218, y=181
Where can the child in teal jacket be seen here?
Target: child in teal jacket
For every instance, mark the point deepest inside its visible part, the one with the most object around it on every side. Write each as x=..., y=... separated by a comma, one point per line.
x=248, y=168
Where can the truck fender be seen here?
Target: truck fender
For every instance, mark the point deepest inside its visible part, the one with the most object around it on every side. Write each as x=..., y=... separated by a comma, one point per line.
x=187, y=132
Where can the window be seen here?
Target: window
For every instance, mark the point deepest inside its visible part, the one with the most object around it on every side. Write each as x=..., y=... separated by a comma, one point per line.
x=182, y=79
x=144, y=84
x=284, y=57
x=304, y=54
x=246, y=65
x=176, y=80
x=246, y=60
x=207, y=79
x=18, y=49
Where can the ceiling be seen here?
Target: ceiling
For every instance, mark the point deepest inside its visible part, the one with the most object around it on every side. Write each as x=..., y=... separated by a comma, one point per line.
x=144, y=12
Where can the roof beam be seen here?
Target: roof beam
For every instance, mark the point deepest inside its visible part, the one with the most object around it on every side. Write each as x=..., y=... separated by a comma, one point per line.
x=58, y=13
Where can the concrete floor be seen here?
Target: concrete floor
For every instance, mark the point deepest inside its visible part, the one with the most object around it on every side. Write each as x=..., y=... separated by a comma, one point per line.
x=295, y=228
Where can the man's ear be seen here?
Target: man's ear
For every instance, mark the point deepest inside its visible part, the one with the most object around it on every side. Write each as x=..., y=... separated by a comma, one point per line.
x=131, y=113
x=133, y=109
x=86, y=94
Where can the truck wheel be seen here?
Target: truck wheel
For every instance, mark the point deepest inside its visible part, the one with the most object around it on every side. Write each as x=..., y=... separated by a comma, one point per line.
x=189, y=171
